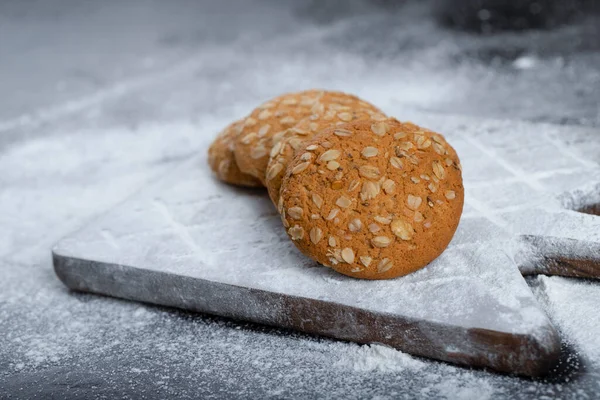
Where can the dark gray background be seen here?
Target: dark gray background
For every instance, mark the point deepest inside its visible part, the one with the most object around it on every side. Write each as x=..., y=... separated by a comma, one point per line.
x=99, y=98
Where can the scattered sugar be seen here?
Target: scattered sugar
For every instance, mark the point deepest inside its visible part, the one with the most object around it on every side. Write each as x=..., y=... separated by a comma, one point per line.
x=463, y=389
x=374, y=357
x=72, y=328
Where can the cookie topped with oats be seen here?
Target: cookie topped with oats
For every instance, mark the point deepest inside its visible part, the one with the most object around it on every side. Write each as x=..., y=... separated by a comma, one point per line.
x=382, y=201
x=222, y=161
x=267, y=124
x=283, y=152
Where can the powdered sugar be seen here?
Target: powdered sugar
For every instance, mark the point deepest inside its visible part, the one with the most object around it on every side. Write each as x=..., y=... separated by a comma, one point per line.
x=197, y=239
x=49, y=327
x=369, y=358
x=459, y=389
x=184, y=225
x=574, y=306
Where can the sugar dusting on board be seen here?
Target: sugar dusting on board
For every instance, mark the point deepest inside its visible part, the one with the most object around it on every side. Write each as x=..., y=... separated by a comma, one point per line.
x=574, y=306
x=183, y=225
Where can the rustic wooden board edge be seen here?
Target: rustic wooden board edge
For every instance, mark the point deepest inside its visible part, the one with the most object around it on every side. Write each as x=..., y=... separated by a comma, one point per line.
x=564, y=257
x=500, y=351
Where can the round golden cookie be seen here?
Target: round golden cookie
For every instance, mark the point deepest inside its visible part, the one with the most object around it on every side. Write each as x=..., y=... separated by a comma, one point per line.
x=266, y=125
x=222, y=161
x=382, y=202
x=285, y=150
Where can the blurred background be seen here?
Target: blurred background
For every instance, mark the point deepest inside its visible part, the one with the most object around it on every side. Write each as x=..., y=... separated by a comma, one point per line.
x=538, y=60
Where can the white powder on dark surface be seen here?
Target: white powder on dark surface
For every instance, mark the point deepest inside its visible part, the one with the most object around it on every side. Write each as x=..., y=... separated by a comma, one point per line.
x=59, y=328
x=47, y=327
x=368, y=358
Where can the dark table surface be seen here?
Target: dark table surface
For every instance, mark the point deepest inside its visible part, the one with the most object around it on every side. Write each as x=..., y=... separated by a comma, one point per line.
x=99, y=98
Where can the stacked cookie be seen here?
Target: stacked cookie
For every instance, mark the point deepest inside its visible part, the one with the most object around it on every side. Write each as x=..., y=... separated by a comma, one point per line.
x=366, y=195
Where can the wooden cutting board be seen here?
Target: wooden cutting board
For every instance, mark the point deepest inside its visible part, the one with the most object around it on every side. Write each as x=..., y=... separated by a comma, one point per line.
x=191, y=242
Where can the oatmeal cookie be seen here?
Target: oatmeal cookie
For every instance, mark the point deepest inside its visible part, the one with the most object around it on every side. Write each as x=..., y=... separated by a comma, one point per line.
x=267, y=124
x=283, y=152
x=221, y=159
x=377, y=203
